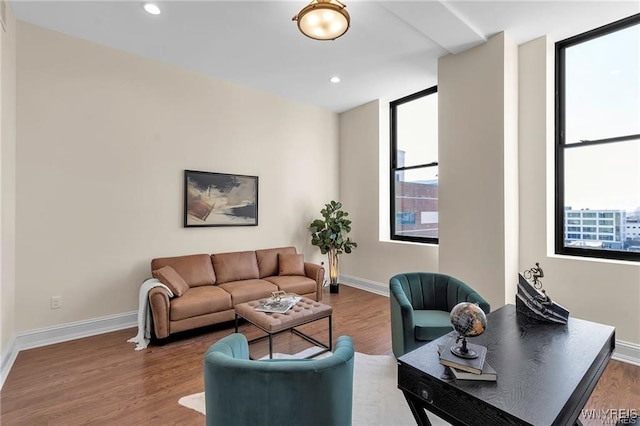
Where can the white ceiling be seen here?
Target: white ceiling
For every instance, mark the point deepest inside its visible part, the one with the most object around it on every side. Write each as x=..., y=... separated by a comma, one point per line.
x=390, y=51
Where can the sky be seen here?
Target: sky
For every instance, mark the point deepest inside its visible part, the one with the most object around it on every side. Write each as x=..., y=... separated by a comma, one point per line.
x=603, y=101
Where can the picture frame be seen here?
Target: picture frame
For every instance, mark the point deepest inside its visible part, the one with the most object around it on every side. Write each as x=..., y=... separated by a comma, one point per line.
x=220, y=199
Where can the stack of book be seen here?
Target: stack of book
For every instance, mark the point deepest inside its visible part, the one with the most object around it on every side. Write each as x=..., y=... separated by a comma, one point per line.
x=467, y=369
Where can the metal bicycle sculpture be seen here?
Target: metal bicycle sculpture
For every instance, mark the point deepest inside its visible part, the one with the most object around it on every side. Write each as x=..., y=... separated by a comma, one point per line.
x=533, y=301
x=534, y=274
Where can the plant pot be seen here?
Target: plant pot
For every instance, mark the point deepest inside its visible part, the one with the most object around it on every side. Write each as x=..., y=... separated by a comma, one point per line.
x=334, y=288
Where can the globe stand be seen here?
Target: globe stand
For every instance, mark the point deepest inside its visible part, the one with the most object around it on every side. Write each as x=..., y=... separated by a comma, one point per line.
x=463, y=351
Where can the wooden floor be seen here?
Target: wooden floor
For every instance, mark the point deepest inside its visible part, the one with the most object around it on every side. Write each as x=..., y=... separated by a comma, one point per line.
x=102, y=380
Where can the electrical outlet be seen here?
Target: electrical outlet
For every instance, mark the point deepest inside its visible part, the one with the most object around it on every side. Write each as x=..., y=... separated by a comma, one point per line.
x=56, y=302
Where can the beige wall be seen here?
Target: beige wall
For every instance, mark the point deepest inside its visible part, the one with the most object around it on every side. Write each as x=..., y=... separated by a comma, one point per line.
x=103, y=139
x=602, y=291
x=7, y=181
x=364, y=164
x=478, y=172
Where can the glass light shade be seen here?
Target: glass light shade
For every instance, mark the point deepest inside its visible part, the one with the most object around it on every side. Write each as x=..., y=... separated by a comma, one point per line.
x=151, y=8
x=323, y=20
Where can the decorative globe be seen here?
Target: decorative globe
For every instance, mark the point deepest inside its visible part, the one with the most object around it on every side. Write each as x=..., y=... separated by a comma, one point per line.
x=468, y=319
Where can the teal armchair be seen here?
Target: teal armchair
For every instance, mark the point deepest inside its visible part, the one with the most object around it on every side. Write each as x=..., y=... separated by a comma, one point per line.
x=420, y=307
x=239, y=391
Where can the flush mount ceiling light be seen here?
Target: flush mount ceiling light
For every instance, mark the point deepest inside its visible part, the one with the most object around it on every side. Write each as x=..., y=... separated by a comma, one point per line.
x=323, y=20
x=151, y=8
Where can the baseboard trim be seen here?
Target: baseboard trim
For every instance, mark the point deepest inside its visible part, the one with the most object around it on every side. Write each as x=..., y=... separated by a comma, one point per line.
x=625, y=351
x=75, y=330
x=363, y=284
x=9, y=355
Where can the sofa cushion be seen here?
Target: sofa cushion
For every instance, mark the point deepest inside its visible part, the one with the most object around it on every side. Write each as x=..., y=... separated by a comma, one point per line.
x=195, y=269
x=235, y=266
x=268, y=260
x=169, y=277
x=247, y=290
x=200, y=301
x=294, y=284
x=290, y=264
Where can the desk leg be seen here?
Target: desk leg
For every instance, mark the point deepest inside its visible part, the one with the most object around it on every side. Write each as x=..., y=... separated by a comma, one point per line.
x=416, y=409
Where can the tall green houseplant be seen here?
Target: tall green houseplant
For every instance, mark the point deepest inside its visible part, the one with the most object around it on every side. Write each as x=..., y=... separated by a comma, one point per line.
x=330, y=234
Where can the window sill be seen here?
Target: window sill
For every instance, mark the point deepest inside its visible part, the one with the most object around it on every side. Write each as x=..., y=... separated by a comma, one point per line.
x=595, y=259
x=411, y=243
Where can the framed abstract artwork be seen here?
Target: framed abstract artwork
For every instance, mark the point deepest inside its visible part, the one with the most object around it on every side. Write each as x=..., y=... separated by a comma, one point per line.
x=220, y=199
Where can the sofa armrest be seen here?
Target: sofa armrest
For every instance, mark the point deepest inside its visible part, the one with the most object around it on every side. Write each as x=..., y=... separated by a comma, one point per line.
x=316, y=273
x=159, y=303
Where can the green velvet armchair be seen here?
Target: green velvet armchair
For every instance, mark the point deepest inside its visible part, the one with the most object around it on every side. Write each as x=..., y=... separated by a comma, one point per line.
x=420, y=307
x=239, y=391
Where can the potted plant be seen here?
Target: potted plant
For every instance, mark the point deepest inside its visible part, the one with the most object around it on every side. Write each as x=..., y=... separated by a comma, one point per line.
x=330, y=234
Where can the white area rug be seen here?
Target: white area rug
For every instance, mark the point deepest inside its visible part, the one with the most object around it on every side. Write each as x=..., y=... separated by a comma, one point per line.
x=376, y=397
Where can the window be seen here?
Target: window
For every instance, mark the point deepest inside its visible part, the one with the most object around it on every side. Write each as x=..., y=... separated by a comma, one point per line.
x=414, y=167
x=406, y=218
x=598, y=141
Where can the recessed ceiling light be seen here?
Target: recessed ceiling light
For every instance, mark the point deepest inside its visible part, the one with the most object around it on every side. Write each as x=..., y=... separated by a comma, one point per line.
x=151, y=8
x=335, y=79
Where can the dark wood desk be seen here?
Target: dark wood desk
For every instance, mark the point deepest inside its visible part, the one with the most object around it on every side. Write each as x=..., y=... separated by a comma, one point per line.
x=546, y=373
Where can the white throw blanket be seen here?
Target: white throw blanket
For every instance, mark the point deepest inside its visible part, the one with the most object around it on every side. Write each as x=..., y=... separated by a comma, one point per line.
x=144, y=313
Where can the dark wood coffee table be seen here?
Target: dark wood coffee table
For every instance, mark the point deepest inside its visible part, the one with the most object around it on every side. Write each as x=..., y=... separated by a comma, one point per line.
x=546, y=373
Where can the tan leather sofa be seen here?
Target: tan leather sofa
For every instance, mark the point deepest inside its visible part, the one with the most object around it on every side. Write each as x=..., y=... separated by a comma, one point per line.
x=218, y=282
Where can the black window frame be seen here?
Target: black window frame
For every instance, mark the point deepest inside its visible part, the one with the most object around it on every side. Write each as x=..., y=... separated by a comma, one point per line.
x=393, y=115
x=561, y=145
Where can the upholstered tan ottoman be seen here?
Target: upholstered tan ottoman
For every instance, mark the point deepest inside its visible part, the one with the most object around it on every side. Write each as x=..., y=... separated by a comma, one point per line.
x=303, y=312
